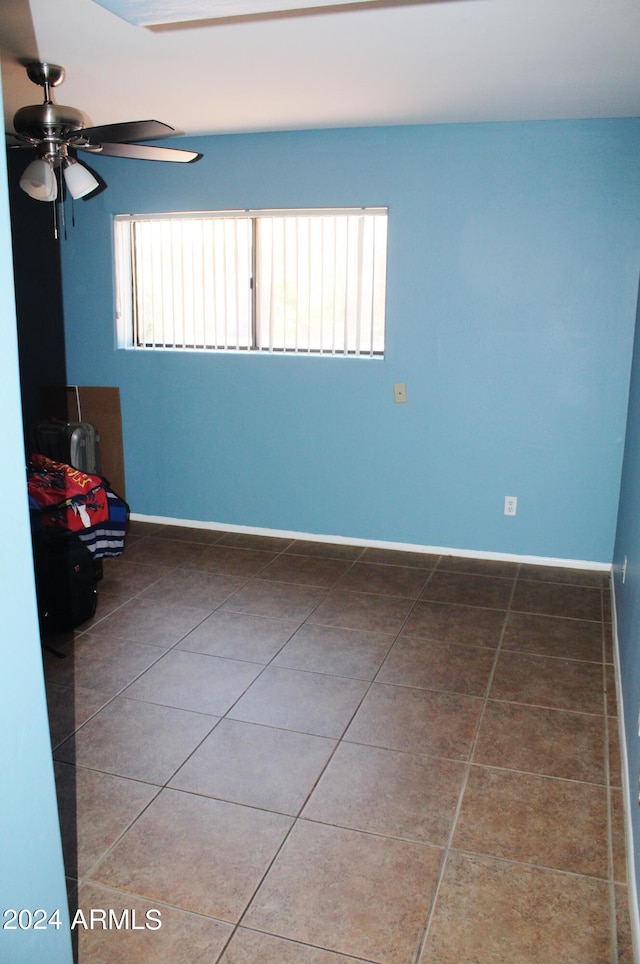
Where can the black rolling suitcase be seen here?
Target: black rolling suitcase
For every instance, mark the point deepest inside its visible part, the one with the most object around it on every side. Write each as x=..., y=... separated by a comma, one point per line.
x=65, y=581
x=74, y=443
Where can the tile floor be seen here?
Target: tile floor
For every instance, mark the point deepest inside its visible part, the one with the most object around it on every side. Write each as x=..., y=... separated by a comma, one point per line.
x=302, y=753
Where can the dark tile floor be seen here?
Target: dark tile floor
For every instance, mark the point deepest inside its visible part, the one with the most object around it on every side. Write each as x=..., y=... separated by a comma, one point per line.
x=302, y=753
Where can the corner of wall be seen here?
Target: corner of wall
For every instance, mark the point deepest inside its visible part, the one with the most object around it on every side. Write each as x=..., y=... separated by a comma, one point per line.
x=627, y=798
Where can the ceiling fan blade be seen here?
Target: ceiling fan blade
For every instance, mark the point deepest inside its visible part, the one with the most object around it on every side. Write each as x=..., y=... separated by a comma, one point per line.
x=147, y=130
x=15, y=140
x=144, y=152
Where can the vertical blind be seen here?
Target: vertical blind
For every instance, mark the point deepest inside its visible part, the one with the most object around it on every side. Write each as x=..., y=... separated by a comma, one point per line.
x=305, y=282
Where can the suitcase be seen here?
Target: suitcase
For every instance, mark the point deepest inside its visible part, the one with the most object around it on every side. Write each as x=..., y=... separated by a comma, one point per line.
x=74, y=443
x=65, y=581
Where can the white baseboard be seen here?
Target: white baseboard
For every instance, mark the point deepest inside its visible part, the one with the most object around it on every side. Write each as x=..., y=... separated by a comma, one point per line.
x=378, y=543
x=627, y=798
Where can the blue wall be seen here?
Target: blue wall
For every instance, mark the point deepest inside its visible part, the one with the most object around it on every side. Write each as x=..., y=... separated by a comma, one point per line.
x=627, y=594
x=512, y=281
x=31, y=867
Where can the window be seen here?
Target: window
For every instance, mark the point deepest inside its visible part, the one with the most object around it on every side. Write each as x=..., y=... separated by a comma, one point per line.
x=309, y=282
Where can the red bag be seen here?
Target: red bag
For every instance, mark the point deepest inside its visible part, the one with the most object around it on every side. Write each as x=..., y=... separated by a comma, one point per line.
x=66, y=496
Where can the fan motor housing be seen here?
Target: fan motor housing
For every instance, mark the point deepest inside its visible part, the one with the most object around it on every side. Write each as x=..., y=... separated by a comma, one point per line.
x=50, y=120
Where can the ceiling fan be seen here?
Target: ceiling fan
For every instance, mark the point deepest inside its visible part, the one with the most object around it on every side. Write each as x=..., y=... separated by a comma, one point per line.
x=57, y=132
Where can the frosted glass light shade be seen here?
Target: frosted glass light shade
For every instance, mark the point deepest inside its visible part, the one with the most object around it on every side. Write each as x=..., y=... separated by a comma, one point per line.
x=79, y=179
x=39, y=181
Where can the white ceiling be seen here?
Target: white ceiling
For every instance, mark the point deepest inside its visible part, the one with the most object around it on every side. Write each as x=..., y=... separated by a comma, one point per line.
x=377, y=63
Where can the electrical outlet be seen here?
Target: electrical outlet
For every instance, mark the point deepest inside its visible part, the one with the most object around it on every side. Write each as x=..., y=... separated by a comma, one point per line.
x=510, y=504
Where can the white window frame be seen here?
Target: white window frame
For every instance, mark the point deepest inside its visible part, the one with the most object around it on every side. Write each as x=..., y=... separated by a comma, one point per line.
x=345, y=315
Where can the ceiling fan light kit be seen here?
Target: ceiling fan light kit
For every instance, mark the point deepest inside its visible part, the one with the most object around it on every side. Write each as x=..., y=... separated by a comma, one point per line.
x=53, y=130
x=39, y=180
x=78, y=178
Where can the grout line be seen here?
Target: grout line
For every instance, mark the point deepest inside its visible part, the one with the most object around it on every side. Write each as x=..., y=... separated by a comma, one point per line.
x=513, y=862
x=103, y=856
x=465, y=780
x=298, y=817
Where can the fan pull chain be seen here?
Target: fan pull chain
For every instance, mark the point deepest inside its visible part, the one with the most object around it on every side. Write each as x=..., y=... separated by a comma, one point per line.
x=63, y=220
